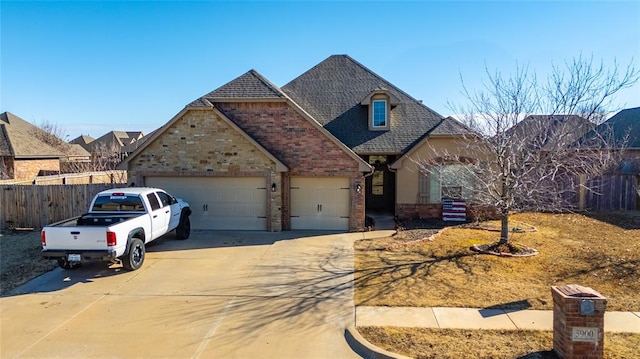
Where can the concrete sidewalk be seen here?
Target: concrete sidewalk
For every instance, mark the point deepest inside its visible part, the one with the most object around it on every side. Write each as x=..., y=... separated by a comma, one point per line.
x=470, y=318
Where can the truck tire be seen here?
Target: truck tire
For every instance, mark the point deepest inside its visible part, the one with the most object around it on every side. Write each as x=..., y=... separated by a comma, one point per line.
x=134, y=257
x=64, y=264
x=184, y=228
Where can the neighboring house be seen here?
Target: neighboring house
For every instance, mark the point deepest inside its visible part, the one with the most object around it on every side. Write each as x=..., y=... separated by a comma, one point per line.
x=314, y=154
x=112, y=147
x=551, y=131
x=620, y=189
x=625, y=129
x=22, y=154
x=76, y=159
x=83, y=141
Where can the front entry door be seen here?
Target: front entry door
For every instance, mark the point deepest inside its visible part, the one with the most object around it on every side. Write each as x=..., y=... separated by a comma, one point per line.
x=381, y=185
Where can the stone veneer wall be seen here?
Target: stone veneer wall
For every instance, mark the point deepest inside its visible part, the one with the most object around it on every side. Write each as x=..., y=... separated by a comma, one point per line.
x=201, y=143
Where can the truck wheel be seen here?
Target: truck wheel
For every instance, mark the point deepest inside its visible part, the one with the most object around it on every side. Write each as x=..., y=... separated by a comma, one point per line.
x=63, y=263
x=184, y=228
x=135, y=255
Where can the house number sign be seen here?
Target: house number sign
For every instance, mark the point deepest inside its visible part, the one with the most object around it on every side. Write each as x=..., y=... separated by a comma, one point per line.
x=584, y=334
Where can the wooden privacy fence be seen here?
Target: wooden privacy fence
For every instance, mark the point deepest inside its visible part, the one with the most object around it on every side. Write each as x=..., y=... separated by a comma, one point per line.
x=27, y=206
x=616, y=192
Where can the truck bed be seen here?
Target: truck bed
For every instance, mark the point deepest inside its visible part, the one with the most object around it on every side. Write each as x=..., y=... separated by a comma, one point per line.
x=98, y=220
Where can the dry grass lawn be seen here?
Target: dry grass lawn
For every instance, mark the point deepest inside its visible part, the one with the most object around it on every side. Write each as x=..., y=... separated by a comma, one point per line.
x=425, y=343
x=20, y=259
x=574, y=249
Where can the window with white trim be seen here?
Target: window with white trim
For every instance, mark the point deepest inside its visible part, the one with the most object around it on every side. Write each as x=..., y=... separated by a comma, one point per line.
x=379, y=114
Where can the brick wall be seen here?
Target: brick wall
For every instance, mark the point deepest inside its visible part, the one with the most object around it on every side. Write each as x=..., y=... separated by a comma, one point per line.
x=286, y=134
x=566, y=317
x=28, y=169
x=434, y=210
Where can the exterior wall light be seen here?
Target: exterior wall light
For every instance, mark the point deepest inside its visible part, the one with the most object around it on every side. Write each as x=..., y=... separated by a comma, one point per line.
x=358, y=188
x=273, y=187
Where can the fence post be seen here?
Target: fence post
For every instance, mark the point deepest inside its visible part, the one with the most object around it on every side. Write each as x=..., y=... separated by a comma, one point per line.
x=582, y=193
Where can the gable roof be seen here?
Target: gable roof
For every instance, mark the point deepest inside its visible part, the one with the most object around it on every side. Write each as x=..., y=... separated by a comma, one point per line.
x=280, y=167
x=332, y=91
x=625, y=122
x=448, y=127
x=451, y=127
x=546, y=131
x=76, y=150
x=249, y=86
x=19, y=139
x=83, y=140
x=126, y=141
x=253, y=87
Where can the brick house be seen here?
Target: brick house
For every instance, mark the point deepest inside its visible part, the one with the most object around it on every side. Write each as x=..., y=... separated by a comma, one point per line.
x=22, y=154
x=315, y=154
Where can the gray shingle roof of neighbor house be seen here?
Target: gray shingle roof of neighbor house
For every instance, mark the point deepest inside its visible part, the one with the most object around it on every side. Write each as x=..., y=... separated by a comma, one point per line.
x=127, y=141
x=625, y=122
x=18, y=139
x=332, y=91
x=76, y=150
x=550, y=129
x=249, y=86
x=83, y=140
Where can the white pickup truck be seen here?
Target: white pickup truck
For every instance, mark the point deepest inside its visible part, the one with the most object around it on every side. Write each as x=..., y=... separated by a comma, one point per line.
x=118, y=225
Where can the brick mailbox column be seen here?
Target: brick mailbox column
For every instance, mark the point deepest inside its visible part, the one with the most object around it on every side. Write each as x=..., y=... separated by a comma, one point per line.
x=578, y=322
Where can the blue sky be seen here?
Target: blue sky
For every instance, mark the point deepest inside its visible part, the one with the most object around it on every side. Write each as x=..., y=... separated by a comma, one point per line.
x=91, y=67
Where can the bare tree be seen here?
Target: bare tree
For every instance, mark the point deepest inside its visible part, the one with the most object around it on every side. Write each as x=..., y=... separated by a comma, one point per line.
x=53, y=135
x=106, y=156
x=529, y=143
x=6, y=171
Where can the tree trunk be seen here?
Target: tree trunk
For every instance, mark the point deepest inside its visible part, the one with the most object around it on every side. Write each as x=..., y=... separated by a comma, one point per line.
x=504, y=228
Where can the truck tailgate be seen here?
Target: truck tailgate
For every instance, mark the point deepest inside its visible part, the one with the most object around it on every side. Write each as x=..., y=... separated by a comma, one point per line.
x=76, y=238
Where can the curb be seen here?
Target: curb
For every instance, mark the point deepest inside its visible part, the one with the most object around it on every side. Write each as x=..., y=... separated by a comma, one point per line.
x=367, y=350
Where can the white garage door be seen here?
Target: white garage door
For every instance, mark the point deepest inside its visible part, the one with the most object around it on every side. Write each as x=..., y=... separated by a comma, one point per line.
x=320, y=203
x=220, y=202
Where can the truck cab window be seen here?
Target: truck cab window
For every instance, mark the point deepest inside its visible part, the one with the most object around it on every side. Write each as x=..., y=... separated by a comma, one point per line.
x=153, y=201
x=164, y=198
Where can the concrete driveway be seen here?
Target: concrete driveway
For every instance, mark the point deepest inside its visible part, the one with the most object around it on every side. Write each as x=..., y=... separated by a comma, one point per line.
x=215, y=295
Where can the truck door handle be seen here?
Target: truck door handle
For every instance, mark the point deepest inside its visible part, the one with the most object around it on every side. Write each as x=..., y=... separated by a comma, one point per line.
x=166, y=212
x=156, y=216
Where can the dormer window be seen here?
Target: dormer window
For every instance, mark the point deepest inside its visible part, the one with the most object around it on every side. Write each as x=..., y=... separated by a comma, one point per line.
x=380, y=103
x=379, y=115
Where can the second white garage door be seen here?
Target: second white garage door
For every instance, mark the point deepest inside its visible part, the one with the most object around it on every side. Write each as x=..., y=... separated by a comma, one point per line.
x=220, y=202
x=320, y=203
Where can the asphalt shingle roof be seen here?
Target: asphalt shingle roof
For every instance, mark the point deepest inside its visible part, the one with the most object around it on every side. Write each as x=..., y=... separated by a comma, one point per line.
x=19, y=138
x=553, y=130
x=625, y=122
x=331, y=93
x=250, y=86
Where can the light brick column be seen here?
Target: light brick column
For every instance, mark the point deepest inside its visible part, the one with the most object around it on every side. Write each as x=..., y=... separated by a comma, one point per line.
x=578, y=322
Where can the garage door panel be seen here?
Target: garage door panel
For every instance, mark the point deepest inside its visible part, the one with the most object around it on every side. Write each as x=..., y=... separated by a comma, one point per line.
x=220, y=202
x=320, y=203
